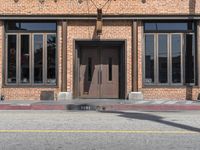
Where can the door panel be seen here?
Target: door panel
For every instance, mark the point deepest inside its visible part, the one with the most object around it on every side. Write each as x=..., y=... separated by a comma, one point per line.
x=110, y=73
x=89, y=67
x=99, y=72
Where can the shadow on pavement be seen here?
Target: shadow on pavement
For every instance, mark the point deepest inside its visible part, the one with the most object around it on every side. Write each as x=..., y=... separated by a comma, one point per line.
x=154, y=118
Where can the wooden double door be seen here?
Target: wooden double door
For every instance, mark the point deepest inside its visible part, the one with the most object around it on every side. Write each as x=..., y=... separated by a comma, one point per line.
x=99, y=72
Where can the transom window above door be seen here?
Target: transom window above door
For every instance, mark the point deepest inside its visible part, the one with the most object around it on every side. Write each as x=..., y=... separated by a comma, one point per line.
x=31, y=58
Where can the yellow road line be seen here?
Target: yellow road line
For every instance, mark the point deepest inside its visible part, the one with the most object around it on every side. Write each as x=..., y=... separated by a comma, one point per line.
x=100, y=131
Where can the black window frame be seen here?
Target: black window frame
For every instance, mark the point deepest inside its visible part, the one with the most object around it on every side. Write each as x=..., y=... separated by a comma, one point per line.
x=30, y=31
x=45, y=33
x=171, y=32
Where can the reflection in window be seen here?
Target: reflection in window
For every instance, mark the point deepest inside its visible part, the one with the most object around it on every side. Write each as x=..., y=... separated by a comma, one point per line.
x=25, y=70
x=12, y=53
x=38, y=58
x=173, y=26
x=51, y=58
x=31, y=52
x=176, y=58
x=163, y=58
x=149, y=58
x=31, y=26
x=171, y=56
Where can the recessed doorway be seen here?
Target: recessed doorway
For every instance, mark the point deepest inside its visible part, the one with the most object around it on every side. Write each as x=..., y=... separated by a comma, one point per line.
x=100, y=71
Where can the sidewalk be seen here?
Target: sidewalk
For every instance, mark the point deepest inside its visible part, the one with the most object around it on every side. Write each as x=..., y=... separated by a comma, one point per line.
x=101, y=105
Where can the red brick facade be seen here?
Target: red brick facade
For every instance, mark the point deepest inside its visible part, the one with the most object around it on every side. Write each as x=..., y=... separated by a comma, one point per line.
x=119, y=29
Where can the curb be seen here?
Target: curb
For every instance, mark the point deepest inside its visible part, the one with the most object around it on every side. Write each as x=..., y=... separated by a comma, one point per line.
x=33, y=107
x=114, y=107
x=149, y=107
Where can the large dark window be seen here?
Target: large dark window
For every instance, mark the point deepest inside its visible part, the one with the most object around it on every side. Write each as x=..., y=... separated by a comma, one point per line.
x=168, y=26
x=169, y=53
x=163, y=58
x=25, y=58
x=176, y=57
x=11, y=61
x=51, y=58
x=38, y=58
x=149, y=58
x=189, y=58
x=32, y=56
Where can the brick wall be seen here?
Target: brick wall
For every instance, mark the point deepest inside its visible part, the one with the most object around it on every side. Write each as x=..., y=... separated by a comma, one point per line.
x=116, y=7
x=118, y=29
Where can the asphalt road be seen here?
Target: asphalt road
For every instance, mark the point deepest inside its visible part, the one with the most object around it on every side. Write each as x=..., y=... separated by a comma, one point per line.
x=62, y=130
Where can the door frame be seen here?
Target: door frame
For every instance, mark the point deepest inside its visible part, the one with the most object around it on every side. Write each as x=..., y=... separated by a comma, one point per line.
x=99, y=43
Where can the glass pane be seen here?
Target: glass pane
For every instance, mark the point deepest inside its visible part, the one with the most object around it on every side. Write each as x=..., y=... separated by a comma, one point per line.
x=31, y=26
x=162, y=58
x=89, y=69
x=176, y=58
x=25, y=57
x=149, y=58
x=51, y=58
x=12, y=25
x=173, y=26
x=189, y=58
x=12, y=53
x=110, y=68
x=37, y=26
x=38, y=58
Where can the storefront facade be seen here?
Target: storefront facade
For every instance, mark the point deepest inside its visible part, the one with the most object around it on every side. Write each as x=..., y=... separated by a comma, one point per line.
x=53, y=46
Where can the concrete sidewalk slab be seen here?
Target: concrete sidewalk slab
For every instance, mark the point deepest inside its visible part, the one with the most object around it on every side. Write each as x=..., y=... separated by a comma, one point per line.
x=101, y=105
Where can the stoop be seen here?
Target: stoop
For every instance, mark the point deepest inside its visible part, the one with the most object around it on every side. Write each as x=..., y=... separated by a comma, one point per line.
x=135, y=96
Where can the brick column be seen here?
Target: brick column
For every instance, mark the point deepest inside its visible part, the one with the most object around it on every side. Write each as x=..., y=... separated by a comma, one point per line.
x=135, y=57
x=64, y=56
